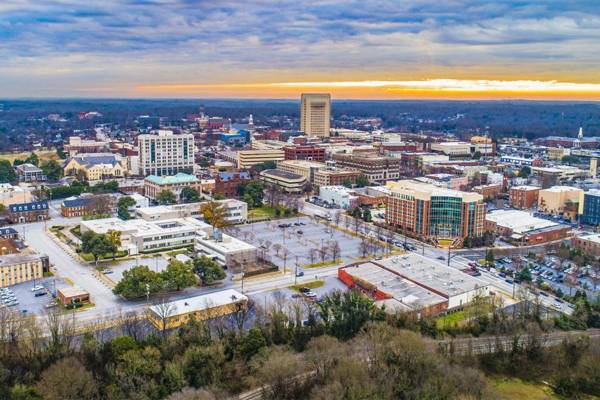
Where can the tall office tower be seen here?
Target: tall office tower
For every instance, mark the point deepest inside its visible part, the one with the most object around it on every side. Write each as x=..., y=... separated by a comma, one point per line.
x=165, y=153
x=315, y=112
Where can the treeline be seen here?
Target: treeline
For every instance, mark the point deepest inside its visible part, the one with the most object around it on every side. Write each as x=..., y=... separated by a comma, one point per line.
x=78, y=187
x=342, y=348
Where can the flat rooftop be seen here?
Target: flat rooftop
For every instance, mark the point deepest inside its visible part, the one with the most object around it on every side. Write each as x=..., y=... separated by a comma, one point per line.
x=199, y=303
x=519, y=221
x=226, y=245
x=420, y=189
x=431, y=274
x=400, y=289
x=142, y=227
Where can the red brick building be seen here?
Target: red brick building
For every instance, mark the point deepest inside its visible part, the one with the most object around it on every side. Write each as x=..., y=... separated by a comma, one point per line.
x=226, y=183
x=311, y=153
x=28, y=212
x=524, y=197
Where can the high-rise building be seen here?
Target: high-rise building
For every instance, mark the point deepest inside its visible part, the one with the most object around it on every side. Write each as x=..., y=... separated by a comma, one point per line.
x=315, y=113
x=166, y=153
x=435, y=213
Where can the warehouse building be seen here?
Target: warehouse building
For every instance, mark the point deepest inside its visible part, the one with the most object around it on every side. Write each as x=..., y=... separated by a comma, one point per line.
x=522, y=228
x=414, y=283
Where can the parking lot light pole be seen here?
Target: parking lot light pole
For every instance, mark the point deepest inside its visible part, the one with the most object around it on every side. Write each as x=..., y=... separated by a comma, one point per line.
x=296, y=272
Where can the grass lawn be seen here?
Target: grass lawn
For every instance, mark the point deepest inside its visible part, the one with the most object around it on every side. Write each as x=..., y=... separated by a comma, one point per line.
x=509, y=389
x=459, y=317
x=310, y=285
x=322, y=264
x=266, y=212
x=43, y=155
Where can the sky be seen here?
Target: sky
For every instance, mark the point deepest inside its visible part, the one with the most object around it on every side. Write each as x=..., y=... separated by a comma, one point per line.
x=367, y=49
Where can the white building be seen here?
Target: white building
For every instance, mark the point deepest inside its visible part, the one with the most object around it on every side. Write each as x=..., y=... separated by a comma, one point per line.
x=165, y=153
x=338, y=195
x=452, y=148
x=228, y=251
x=236, y=211
x=139, y=236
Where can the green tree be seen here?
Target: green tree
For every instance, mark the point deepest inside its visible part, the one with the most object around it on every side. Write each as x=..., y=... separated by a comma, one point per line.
x=347, y=183
x=165, y=197
x=114, y=237
x=202, y=365
x=219, y=196
x=60, y=152
x=570, y=160
x=252, y=343
x=489, y=257
x=215, y=214
x=97, y=245
x=123, y=207
x=7, y=172
x=345, y=313
x=525, y=275
x=52, y=169
x=178, y=275
x=189, y=195
x=137, y=282
x=525, y=171
x=32, y=159
x=367, y=215
x=254, y=194
x=477, y=155
x=208, y=270
x=362, y=181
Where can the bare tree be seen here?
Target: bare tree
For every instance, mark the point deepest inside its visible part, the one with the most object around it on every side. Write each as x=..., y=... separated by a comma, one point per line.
x=277, y=247
x=357, y=224
x=347, y=221
x=363, y=248
x=337, y=216
x=312, y=255
x=162, y=309
x=323, y=252
x=284, y=255
x=334, y=246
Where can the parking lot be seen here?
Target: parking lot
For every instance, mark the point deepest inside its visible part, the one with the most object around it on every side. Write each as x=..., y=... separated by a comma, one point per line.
x=22, y=298
x=115, y=271
x=281, y=245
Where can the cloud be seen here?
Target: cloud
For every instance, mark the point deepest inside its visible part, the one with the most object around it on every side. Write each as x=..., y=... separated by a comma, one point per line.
x=169, y=41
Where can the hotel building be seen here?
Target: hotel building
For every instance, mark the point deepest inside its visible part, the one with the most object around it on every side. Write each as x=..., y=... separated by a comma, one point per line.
x=165, y=153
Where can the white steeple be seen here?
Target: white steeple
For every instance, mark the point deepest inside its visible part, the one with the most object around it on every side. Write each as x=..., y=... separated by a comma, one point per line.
x=580, y=134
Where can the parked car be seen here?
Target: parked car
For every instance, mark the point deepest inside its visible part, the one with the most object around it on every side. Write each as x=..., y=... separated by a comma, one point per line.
x=36, y=288
x=300, y=273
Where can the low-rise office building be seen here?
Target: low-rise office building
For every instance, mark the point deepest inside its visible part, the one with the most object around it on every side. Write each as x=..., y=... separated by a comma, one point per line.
x=87, y=205
x=10, y=194
x=522, y=228
x=339, y=195
x=335, y=177
x=28, y=212
x=248, y=158
x=200, y=308
x=72, y=295
x=306, y=152
x=155, y=184
x=236, y=211
x=523, y=197
x=139, y=236
x=287, y=181
x=588, y=242
x=227, y=183
x=18, y=268
x=306, y=168
x=375, y=167
x=228, y=251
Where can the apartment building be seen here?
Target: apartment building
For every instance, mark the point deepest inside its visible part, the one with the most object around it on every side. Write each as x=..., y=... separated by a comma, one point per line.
x=523, y=197
x=315, y=114
x=18, y=268
x=435, y=213
x=335, y=177
x=377, y=168
x=165, y=153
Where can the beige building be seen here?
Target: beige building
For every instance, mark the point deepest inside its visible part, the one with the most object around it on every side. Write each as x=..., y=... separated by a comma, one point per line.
x=204, y=307
x=452, y=148
x=306, y=168
x=315, y=114
x=287, y=181
x=95, y=166
x=10, y=194
x=561, y=200
x=154, y=184
x=18, y=268
x=166, y=153
x=248, y=158
x=335, y=176
x=557, y=153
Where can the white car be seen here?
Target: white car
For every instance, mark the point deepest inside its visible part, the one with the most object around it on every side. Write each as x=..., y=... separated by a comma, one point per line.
x=37, y=288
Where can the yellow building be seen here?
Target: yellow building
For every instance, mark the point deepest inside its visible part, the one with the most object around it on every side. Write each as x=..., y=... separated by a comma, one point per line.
x=557, y=153
x=248, y=158
x=177, y=313
x=315, y=114
x=561, y=200
x=305, y=168
x=19, y=268
x=94, y=166
x=287, y=181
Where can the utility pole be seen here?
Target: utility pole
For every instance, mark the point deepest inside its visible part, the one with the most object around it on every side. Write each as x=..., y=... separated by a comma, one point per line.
x=147, y=292
x=296, y=272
